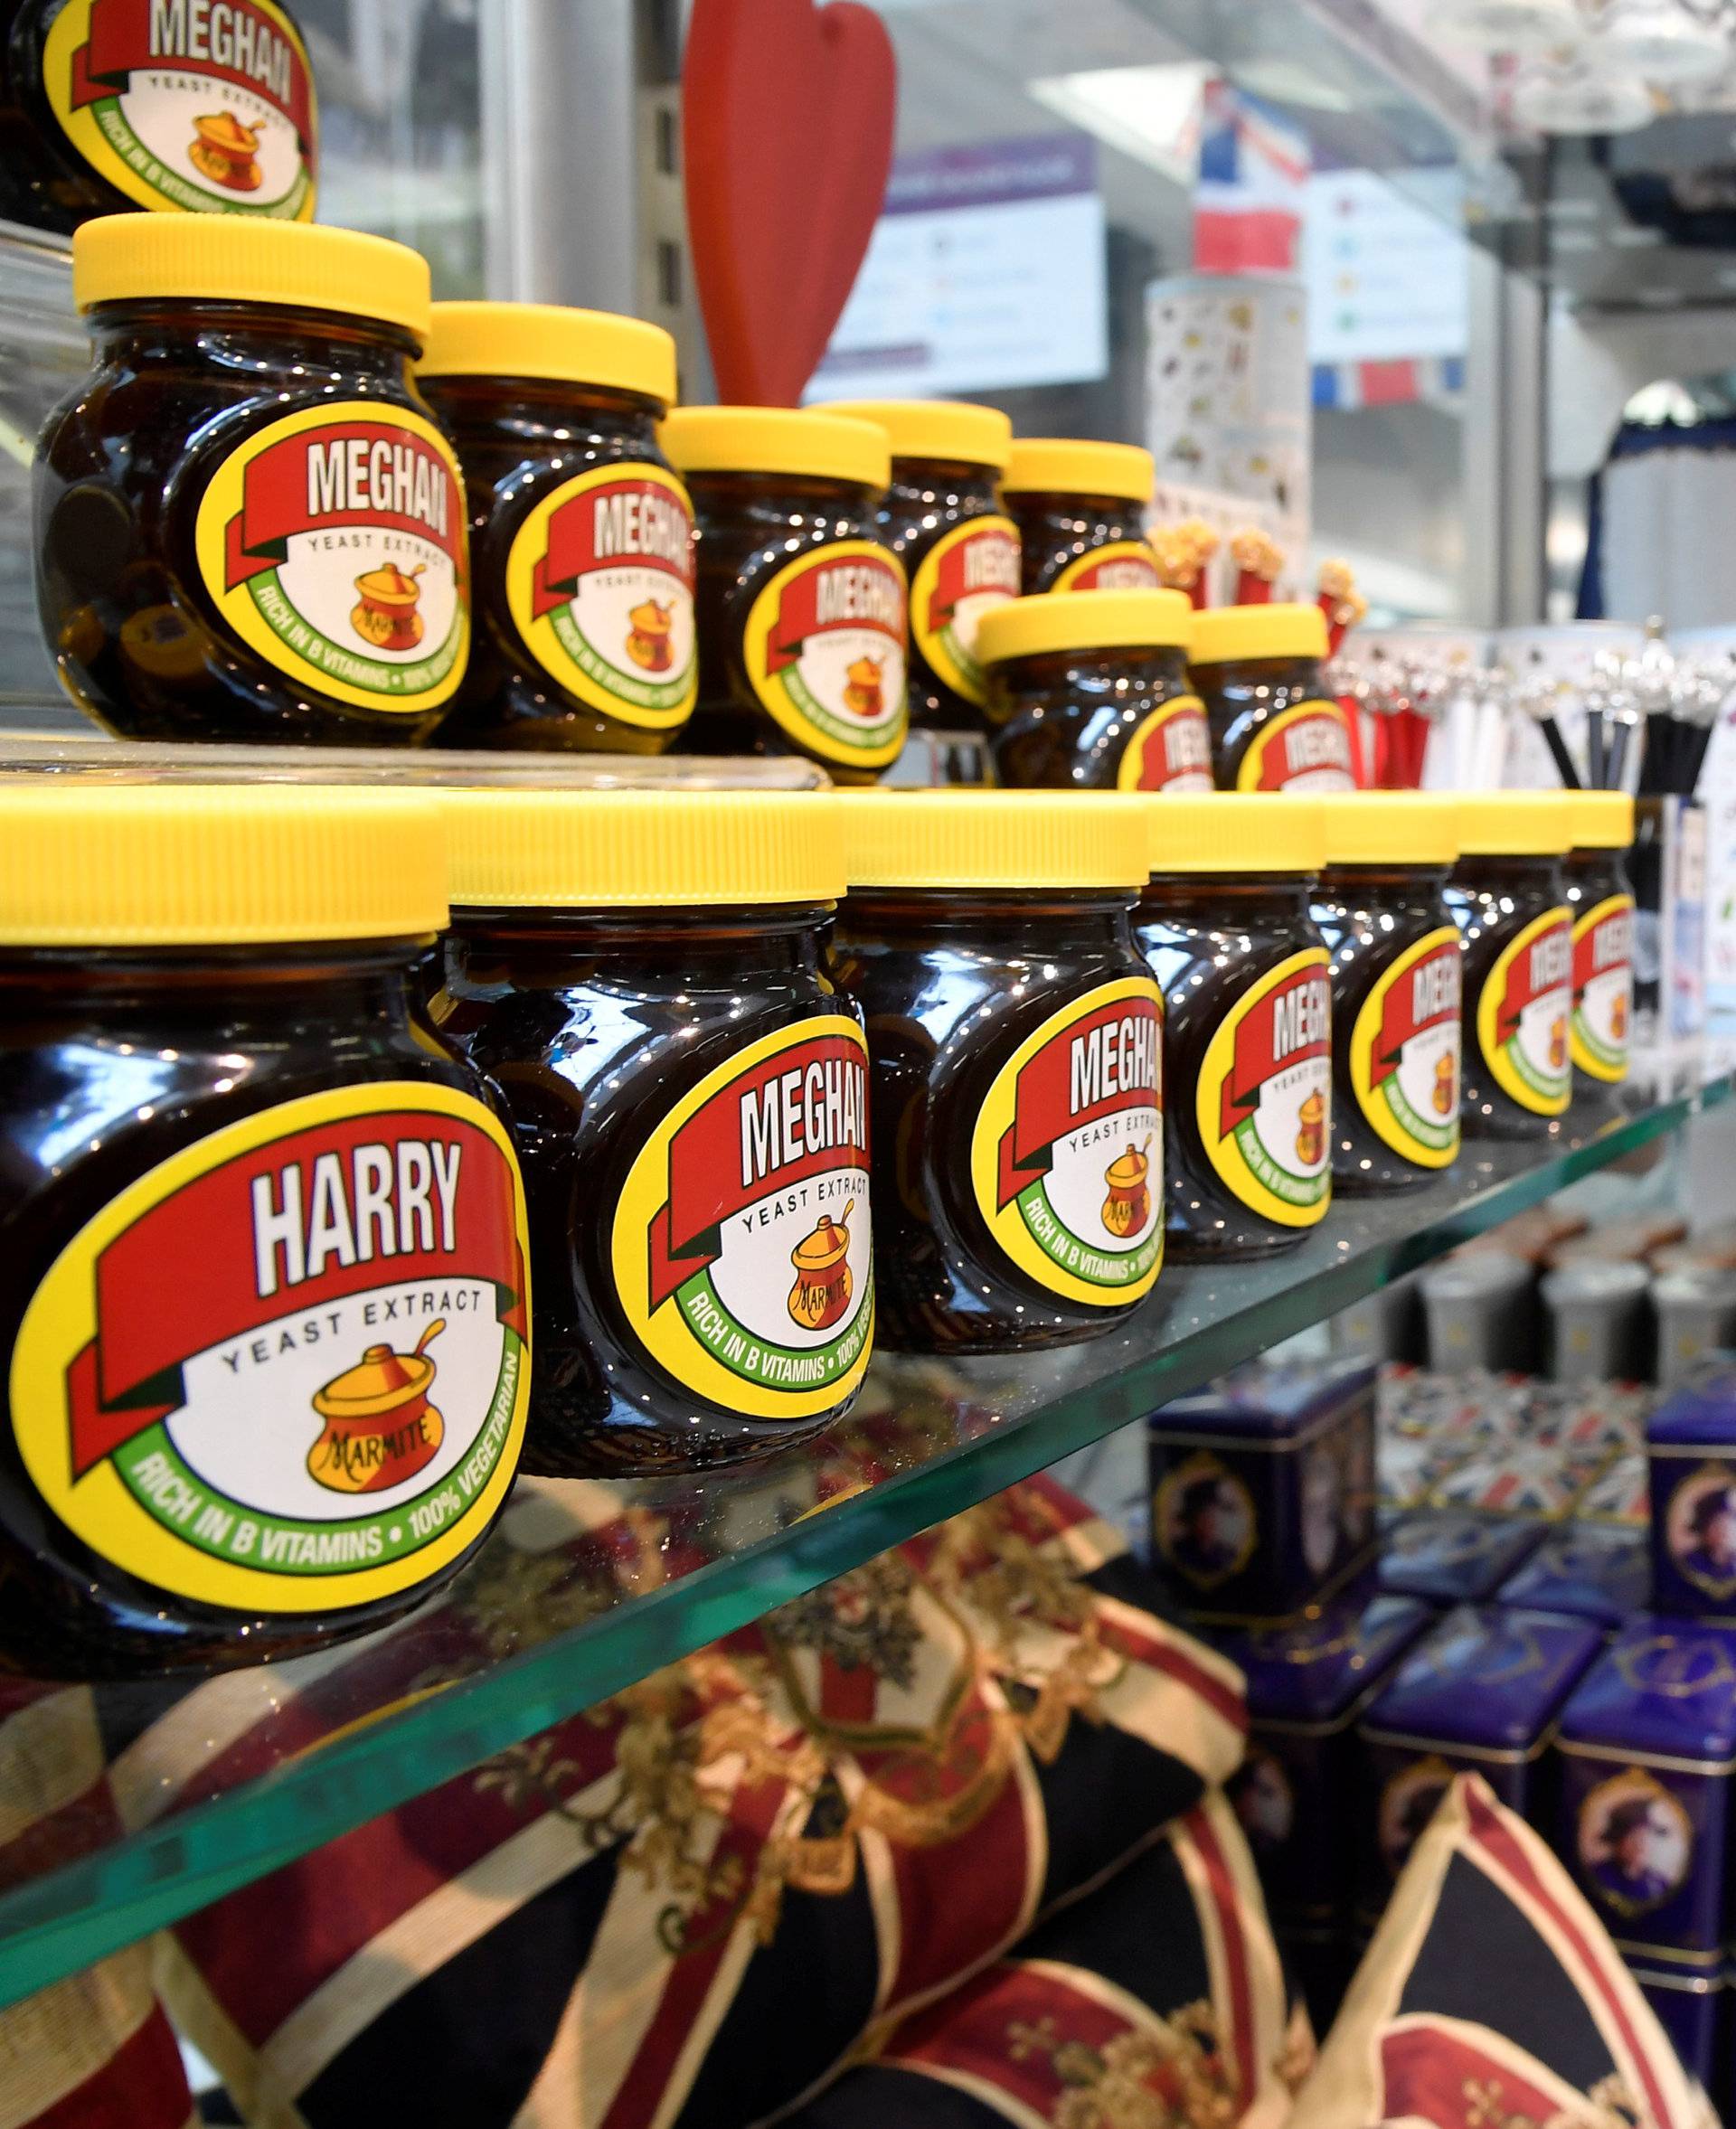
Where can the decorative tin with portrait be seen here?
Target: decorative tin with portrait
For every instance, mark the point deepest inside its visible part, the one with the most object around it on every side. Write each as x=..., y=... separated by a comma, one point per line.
x=1690, y=2002
x=1690, y=1443
x=1263, y=1490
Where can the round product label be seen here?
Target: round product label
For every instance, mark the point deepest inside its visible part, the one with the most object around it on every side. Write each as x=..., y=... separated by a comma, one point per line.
x=742, y=1244
x=1305, y=748
x=1405, y=1051
x=599, y=582
x=1170, y=751
x=1119, y=565
x=825, y=650
x=333, y=543
x=202, y=105
x=1067, y=1156
x=1603, y=987
x=1264, y=1097
x=286, y=1368
x=1524, y=1011
x=968, y=571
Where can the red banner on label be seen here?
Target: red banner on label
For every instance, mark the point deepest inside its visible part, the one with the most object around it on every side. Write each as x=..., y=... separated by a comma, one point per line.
x=1607, y=944
x=1434, y=984
x=1066, y=1085
x=226, y=40
x=986, y=561
x=593, y=532
x=353, y=473
x=1320, y=740
x=184, y=1277
x=857, y=593
x=1288, y=1026
x=1118, y=572
x=1543, y=966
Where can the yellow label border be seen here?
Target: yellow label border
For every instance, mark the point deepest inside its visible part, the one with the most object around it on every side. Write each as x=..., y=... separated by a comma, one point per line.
x=1364, y=1033
x=1488, y=1010
x=775, y=699
x=1110, y=550
x=1223, y=1154
x=931, y=642
x=1583, y=1061
x=1126, y=770
x=1254, y=755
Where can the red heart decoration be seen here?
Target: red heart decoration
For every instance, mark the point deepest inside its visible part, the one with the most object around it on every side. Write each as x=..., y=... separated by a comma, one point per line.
x=787, y=128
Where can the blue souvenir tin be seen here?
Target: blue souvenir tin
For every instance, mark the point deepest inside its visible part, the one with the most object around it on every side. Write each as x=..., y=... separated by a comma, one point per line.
x=1451, y=1556
x=1688, y=2002
x=1296, y=1792
x=1647, y=1744
x=1585, y=1571
x=1482, y=1691
x=1262, y=1489
x=1691, y=1446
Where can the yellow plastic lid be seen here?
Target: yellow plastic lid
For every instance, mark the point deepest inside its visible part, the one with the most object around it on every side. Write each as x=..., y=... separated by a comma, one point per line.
x=935, y=429
x=1223, y=634
x=1057, y=465
x=234, y=259
x=1602, y=820
x=549, y=340
x=85, y=864
x=1390, y=828
x=1084, y=621
x=992, y=839
x=1515, y=823
x=1233, y=832
x=592, y=849
x=777, y=439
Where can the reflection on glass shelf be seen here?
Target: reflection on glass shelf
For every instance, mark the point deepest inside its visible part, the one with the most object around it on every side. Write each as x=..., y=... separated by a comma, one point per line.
x=587, y=1585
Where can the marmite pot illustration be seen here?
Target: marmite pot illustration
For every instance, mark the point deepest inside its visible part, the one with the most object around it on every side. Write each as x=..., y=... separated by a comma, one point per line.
x=223, y=150
x=387, y=617
x=379, y=1427
x=1127, y=1207
x=647, y=642
x=823, y=1287
x=1311, y=1139
x=1445, y=1092
x=861, y=692
x=1558, y=1042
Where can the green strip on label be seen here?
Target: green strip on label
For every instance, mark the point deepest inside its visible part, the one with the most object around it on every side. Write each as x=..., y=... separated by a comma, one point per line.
x=1293, y=1189
x=137, y=158
x=823, y=720
x=1062, y=1246
x=337, y=663
x=1549, y=1090
x=1425, y=1130
x=1602, y=1053
x=643, y=694
x=758, y=1360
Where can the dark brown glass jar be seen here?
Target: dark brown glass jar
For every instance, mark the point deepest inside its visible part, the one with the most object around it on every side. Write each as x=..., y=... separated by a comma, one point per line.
x=1273, y=726
x=1017, y=1096
x=1088, y=691
x=1601, y=896
x=581, y=538
x=1396, y=983
x=645, y=977
x=112, y=104
x=800, y=603
x=1081, y=509
x=1226, y=926
x=248, y=526
x=1509, y=901
x=264, y=1305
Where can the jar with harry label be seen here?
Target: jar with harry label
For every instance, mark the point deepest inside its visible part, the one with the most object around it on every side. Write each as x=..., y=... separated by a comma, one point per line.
x=644, y=976
x=1016, y=1081
x=581, y=536
x=801, y=605
x=1273, y=726
x=1601, y=896
x=249, y=526
x=1081, y=509
x=1226, y=926
x=265, y=1307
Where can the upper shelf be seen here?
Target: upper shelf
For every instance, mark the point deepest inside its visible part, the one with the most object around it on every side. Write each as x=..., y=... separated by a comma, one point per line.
x=588, y=1585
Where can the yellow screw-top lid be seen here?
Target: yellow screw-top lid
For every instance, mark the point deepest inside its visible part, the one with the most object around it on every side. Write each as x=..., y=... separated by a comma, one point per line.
x=1602, y=820
x=1390, y=828
x=549, y=340
x=88, y=864
x=935, y=429
x=1058, y=466
x=1515, y=823
x=777, y=439
x=992, y=839
x=1223, y=634
x=1233, y=832
x=592, y=850
x=1084, y=621
x=232, y=259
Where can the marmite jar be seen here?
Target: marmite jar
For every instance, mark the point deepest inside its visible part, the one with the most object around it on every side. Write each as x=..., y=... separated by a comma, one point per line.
x=1509, y=899
x=1226, y=926
x=1601, y=896
x=1088, y=691
x=644, y=976
x=1273, y=726
x=112, y=104
x=1017, y=1089
x=248, y=526
x=1081, y=509
x=944, y=519
x=1396, y=978
x=581, y=538
x=265, y=1304
x=800, y=603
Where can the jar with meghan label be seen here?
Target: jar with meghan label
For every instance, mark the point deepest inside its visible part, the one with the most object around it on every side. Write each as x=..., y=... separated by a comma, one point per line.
x=1226, y=926
x=801, y=605
x=581, y=536
x=1601, y=896
x=1508, y=897
x=1017, y=1091
x=1088, y=691
x=265, y=1310
x=645, y=976
x=1396, y=983
x=249, y=526
x=1081, y=509
x=1273, y=726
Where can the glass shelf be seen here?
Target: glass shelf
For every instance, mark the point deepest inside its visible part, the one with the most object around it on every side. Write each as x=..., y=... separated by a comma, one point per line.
x=588, y=1585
